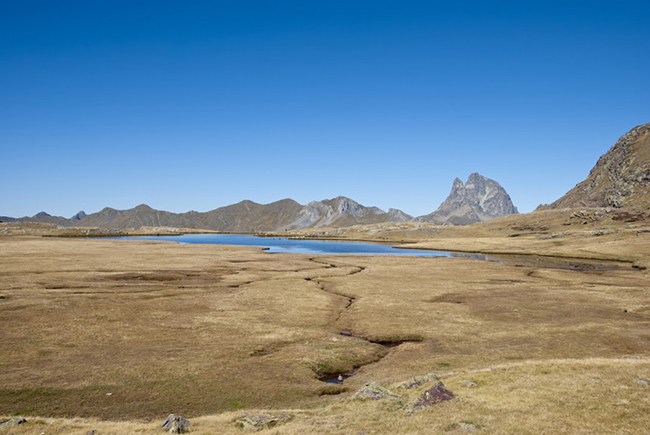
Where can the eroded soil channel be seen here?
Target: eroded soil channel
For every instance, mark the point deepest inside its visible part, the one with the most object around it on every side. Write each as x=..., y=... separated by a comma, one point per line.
x=340, y=377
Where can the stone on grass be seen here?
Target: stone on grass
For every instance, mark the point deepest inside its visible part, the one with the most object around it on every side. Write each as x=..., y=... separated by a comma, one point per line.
x=468, y=384
x=176, y=424
x=91, y=432
x=374, y=391
x=417, y=381
x=257, y=422
x=463, y=427
x=642, y=382
x=432, y=396
x=13, y=421
x=468, y=427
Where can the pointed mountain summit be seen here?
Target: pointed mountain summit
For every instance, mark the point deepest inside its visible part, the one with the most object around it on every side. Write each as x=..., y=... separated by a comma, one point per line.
x=479, y=199
x=82, y=214
x=396, y=215
x=621, y=177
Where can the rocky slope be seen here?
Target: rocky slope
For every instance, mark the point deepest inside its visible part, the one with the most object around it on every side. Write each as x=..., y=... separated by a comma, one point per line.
x=477, y=200
x=621, y=177
x=338, y=212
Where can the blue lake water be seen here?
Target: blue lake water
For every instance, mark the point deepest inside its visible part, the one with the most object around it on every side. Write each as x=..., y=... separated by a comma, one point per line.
x=297, y=246
x=319, y=247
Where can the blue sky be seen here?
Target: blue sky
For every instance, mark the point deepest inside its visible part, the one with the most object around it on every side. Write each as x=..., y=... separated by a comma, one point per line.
x=200, y=104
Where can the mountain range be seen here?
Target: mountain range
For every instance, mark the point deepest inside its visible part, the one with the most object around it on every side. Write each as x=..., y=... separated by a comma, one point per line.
x=479, y=199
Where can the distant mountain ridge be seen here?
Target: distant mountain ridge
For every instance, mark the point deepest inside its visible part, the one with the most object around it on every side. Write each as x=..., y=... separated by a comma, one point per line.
x=479, y=199
x=245, y=216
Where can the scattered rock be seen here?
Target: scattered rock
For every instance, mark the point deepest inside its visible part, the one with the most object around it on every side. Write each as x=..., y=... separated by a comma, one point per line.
x=463, y=427
x=91, y=432
x=13, y=421
x=176, y=424
x=374, y=391
x=261, y=421
x=436, y=394
x=468, y=384
x=417, y=381
x=642, y=382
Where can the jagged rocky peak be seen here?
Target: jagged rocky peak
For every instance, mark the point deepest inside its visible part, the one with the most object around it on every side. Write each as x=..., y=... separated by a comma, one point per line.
x=82, y=214
x=621, y=177
x=41, y=214
x=396, y=215
x=492, y=199
x=346, y=206
x=478, y=199
x=336, y=212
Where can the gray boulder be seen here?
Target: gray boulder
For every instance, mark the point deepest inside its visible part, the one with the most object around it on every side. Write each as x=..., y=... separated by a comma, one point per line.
x=374, y=391
x=13, y=421
x=417, y=381
x=176, y=424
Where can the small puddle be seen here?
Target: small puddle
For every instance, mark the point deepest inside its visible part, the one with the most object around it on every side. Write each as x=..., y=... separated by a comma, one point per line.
x=336, y=378
x=339, y=378
x=392, y=344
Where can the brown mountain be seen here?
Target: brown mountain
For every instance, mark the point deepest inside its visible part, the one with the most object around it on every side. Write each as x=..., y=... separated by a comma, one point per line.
x=245, y=216
x=621, y=178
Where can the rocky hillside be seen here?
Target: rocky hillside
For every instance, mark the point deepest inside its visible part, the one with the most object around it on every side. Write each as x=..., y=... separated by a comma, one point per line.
x=342, y=212
x=621, y=178
x=477, y=200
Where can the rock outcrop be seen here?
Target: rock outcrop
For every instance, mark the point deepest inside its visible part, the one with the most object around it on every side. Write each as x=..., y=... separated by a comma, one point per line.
x=477, y=200
x=620, y=179
x=434, y=395
x=11, y=422
x=256, y=422
x=417, y=381
x=176, y=424
x=374, y=391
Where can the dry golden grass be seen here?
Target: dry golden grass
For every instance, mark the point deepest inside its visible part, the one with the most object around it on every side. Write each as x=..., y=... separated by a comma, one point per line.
x=211, y=331
x=591, y=396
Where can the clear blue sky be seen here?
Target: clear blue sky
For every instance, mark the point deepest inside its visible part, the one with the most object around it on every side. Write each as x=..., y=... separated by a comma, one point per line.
x=198, y=104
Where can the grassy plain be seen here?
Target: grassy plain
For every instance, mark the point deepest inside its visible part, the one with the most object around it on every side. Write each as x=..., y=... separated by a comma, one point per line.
x=114, y=335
